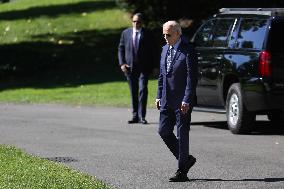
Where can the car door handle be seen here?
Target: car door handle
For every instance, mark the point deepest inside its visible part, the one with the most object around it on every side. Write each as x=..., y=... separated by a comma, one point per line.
x=199, y=58
x=218, y=57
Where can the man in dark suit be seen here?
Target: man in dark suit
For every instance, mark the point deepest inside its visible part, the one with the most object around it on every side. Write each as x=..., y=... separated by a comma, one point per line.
x=136, y=55
x=176, y=96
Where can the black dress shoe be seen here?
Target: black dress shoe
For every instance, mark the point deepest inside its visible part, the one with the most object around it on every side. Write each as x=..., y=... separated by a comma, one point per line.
x=191, y=162
x=179, y=177
x=133, y=120
x=143, y=121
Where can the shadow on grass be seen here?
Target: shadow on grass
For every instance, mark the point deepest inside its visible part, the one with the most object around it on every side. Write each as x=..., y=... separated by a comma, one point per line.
x=260, y=127
x=56, y=10
x=71, y=59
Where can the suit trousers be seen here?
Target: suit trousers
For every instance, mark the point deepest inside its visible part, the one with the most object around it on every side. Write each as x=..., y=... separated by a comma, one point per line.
x=178, y=145
x=138, y=84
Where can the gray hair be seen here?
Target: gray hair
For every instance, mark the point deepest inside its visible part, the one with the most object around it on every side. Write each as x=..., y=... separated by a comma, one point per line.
x=173, y=24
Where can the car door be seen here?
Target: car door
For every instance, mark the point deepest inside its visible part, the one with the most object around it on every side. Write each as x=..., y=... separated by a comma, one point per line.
x=202, y=39
x=210, y=61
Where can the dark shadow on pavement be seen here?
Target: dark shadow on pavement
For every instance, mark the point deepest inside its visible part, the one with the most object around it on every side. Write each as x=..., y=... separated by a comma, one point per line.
x=213, y=124
x=240, y=180
x=260, y=127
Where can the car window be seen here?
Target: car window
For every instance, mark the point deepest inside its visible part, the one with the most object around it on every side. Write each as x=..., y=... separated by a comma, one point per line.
x=203, y=36
x=277, y=35
x=251, y=33
x=222, y=32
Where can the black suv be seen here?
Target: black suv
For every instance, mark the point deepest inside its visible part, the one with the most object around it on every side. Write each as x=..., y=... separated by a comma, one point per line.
x=241, y=65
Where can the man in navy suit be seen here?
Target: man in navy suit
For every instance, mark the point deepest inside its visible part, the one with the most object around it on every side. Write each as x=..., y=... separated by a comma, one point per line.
x=136, y=55
x=176, y=96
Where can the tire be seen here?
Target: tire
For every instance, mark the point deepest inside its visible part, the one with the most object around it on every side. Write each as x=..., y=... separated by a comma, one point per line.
x=240, y=121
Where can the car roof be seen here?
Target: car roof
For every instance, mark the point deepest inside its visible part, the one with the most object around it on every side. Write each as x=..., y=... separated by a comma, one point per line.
x=252, y=11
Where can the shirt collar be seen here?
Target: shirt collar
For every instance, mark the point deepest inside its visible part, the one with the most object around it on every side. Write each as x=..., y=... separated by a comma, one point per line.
x=134, y=30
x=175, y=46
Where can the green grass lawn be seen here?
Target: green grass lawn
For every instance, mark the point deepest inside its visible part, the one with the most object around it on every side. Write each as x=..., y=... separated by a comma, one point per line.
x=102, y=94
x=63, y=51
x=19, y=170
x=54, y=21
x=59, y=51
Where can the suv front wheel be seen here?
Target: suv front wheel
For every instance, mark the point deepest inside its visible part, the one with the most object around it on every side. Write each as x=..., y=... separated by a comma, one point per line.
x=238, y=118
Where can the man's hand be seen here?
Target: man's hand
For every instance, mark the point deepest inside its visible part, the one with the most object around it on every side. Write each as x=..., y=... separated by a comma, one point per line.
x=158, y=103
x=125, y=68
x=184, y=108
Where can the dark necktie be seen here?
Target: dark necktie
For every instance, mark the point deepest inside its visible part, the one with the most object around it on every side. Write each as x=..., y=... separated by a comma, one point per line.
x=169, y=58
x=135, y=42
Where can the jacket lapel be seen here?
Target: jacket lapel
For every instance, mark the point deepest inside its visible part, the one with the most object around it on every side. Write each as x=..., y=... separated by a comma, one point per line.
x=176, y=55
x=164, y=57
x=175, y=58
x=141, y=36
x=130, y=40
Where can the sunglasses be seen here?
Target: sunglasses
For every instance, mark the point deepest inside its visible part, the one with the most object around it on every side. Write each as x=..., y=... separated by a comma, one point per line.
x=167, y=35
x=136, y=21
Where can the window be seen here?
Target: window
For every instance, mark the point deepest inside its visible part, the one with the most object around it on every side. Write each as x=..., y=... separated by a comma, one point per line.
x=276, y=36
x=203, y=36
x=222, y=31
x=252, y=33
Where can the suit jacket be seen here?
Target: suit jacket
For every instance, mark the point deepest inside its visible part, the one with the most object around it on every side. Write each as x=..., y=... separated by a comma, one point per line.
x=146, y=56
x=179, y=84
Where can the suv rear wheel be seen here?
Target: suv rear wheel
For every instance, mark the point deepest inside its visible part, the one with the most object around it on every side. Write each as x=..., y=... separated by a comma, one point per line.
x=238, y=118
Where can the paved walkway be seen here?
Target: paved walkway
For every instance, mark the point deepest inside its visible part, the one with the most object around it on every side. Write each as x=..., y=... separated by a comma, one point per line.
x=98, y=141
